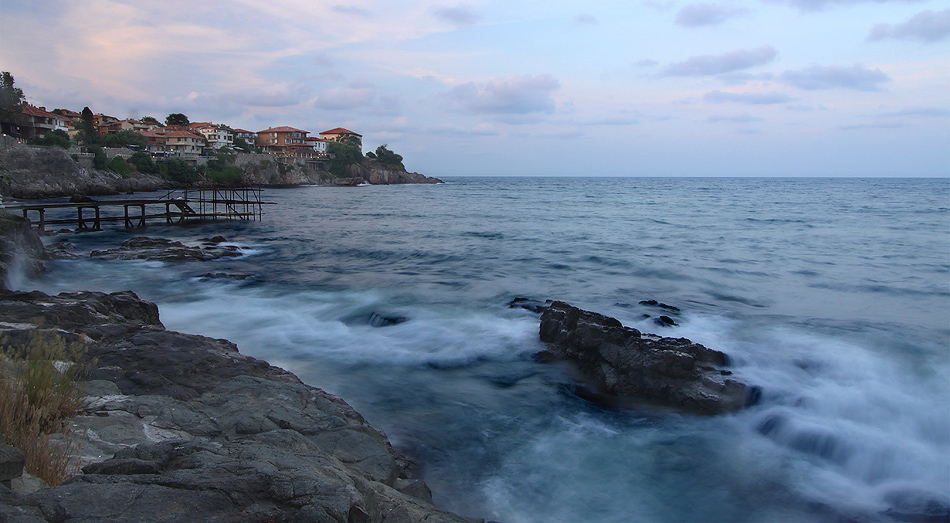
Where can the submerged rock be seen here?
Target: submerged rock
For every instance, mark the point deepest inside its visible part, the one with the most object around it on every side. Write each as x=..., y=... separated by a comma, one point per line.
x=162, y=249
x=626, y=367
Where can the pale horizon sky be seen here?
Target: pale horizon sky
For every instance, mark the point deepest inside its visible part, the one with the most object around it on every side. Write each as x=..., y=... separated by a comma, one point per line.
x=641, y=88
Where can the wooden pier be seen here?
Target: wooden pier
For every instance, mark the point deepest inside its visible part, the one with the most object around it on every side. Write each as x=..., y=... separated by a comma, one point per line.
x=175, y=207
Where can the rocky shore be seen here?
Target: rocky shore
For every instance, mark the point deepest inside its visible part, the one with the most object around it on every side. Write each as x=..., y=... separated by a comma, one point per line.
x=179, y=427
x=32, y=172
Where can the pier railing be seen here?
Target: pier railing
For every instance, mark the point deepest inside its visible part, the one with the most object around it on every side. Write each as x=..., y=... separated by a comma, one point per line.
x=174, y=207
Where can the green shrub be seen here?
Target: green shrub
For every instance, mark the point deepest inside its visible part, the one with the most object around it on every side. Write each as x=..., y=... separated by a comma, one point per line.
x=230, y=175
x=143, y=163
x=40, y=390
x=101, y=161
x=120, y=166
x=55, y=137
x=178, y=171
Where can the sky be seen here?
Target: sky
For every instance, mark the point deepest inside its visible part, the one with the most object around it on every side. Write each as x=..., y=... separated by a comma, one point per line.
x=553, y=88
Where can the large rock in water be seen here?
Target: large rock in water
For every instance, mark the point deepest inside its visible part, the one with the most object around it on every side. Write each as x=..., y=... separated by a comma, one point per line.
x=626, y=368
x=21, y=250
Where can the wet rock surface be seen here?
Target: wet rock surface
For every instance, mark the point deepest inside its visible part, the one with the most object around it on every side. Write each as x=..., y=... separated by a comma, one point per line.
x=180, y=427
x=628, y=368
x=20, y=248
x=162, y=249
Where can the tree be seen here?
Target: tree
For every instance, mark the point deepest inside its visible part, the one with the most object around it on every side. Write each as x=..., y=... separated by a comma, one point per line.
x=88, y=129
x=179, y=171
x=123, y=138
x=150, y=119
x=240, y=143
x=143, y=163
x=120, y=166
x=176, y=119
x=387, y=158
x=11, y=103
x=342, y=155
x=56, y=137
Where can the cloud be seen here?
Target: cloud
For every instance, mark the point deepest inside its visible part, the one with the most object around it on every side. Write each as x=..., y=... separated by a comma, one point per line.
x=709, y=65
x=346, y=98
x=926, y=26
x=646, y=63
x=585, y=20
x=817, y=5
x=836, y=77
x=742, y=118
x=352, y=11
x=882, y=125
x=718, y=97
x=519, y=94
x=281, y=94
x=698, y=15
x=459, y=16
x=482, y=129
x=927, y=112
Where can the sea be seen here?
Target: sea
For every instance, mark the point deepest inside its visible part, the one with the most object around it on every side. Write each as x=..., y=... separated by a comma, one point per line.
x=831, y=294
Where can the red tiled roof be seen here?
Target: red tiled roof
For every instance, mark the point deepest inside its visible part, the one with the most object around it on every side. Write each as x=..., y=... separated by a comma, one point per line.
x=36, y=111
x=282, y=129
x=315, y=139
x=340, y=130
x=243, y=131
x=183, y=134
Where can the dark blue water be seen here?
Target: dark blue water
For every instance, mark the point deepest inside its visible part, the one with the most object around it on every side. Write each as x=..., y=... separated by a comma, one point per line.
x=832, y=294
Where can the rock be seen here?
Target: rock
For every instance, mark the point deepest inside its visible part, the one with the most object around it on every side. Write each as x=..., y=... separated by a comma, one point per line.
x=377, y=320
x=161, y=249
x=529, y=304
x=916, y=506
x=664, y=321
x=627, y=368
x=11, y=463
x=61, y=251
x=21, y=249
x=654, y=303
x=51, y=172
x=181, y=427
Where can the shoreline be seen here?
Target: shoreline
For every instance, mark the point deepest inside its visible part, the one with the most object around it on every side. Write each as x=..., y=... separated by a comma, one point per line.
x=184, y=426
x=33, y=172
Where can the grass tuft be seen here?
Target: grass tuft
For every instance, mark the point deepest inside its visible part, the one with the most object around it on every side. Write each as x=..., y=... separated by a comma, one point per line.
x=40, y=390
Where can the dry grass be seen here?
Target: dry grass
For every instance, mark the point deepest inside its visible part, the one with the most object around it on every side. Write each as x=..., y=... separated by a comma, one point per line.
x=40, y=389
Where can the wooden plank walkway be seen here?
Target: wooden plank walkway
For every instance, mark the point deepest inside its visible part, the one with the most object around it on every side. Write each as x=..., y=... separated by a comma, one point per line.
x=175, y=207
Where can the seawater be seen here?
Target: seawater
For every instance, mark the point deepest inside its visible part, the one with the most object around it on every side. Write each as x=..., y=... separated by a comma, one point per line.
x=833, y=295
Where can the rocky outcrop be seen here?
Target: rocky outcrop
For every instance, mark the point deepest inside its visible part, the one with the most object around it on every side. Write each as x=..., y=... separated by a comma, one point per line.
x=50, y=172
x=163, y=249
x=628, y=368
x=370, y=172
x=21, y=250
x=180, y=427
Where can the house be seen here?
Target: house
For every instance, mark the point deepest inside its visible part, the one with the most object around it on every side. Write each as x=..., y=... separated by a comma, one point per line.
x=135, y=125
x=105, y=124
x=183, y=143
x=216, y=136
x=37, y=121
x=285, y=141
x=342, y=135
x=319, y=146
x=156, y=141
x=249, y=137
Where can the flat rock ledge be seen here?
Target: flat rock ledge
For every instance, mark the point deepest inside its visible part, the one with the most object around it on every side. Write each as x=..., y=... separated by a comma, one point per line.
x=184, y=428
x=629, y=369
x=163, y=249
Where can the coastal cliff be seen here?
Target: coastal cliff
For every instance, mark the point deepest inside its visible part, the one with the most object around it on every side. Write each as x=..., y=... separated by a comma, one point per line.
x=48, y=172
x=32, y=172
